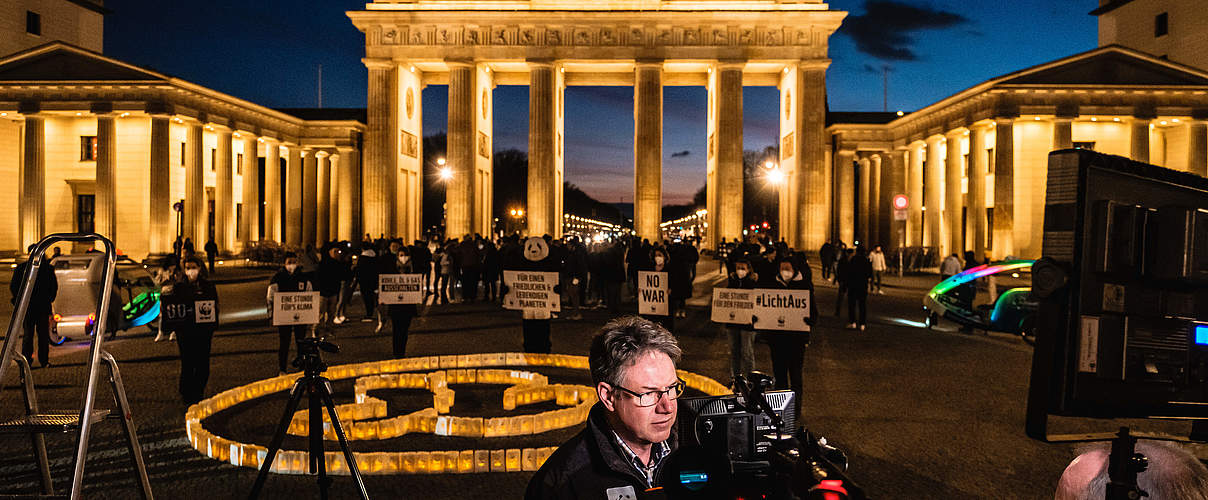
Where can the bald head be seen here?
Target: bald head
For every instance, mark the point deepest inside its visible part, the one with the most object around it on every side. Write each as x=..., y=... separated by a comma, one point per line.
x=1173, y=473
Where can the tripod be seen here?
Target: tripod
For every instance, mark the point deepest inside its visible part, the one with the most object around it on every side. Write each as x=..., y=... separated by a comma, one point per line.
x=318, y=392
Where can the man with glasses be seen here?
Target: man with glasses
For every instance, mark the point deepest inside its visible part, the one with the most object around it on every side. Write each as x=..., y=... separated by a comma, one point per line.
x=628, y=436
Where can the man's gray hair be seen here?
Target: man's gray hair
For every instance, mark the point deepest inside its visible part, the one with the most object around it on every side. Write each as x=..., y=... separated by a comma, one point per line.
x=1173, y=473
x=622, y=341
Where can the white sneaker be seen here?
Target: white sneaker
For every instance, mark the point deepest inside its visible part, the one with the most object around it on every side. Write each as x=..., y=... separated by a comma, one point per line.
x=851, y=326
x=172, y=337
x=159, y=337
x=861, y=327
x=338, y=320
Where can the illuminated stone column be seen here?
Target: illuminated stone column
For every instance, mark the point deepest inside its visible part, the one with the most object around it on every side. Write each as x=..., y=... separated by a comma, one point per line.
x=408, y=160
x=378, y=180
x=811, y=179
x=224, y=203
x=875, y=204
x=845, y=196
x=196, y=215
x=272, y=191
x=725, y=101
x=862, y=208
x=914, y=183
x=648, y=149
x=1197, y=147
x=1063, y=132
x=333, y=202
x=310, y=195
x=893, y=183
x=543, y=216
x=349, y=202
x=1139, y=149
x=322, y=198
x=293, y=197
x=106, y=177
x=1004, y=187
x=33, y=181
x=933, y=205
x=163, y=218
x=978, y=170
x=249, y=230
x=954, y=203
x=459, y=191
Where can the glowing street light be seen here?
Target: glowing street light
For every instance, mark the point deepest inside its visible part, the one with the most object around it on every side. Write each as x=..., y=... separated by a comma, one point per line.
x=769, y=164
x=776, y=176
x=446, y=173
x=440, y=161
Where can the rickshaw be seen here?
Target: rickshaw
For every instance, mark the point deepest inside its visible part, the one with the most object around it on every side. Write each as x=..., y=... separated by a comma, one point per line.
x=1006, y=306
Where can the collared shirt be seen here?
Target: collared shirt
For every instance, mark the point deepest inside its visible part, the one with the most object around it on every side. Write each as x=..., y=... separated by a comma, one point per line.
x=658, y=452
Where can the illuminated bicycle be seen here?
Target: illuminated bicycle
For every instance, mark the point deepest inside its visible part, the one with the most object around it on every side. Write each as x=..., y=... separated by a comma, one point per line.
x=1005, y=305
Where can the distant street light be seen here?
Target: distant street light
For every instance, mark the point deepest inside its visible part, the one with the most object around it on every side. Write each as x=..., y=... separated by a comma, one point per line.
x=769, y=164
x=440, y=161
x=775, y=176
x=446, y=173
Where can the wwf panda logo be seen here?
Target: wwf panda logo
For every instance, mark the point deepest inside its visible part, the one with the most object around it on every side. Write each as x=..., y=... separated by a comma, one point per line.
x=535, y=249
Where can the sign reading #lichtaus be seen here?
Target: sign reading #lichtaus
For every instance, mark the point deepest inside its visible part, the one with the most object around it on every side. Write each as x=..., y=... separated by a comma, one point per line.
x=400, y=288
x=781, y=309
x=295, y=308
x=533, y=290
x=652, y=293
x=732, y=305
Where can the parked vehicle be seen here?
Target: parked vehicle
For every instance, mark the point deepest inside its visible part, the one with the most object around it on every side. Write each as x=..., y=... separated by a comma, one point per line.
x=1008, y=305
x=135, y=300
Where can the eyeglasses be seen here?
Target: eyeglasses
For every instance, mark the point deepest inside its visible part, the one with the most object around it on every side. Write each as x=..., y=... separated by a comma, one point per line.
x=651, y=398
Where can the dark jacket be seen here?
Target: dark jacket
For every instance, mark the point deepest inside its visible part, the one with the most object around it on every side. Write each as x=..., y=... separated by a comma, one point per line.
x=331, y=273
x=296, y=281
x=46, y=287
x=857, y=273
x=589, y=464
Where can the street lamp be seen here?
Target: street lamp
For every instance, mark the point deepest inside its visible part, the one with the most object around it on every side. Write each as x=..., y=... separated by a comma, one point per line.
x=440, y=161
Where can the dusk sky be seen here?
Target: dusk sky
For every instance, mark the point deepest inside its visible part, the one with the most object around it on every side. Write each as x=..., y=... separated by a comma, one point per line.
x=268, y=52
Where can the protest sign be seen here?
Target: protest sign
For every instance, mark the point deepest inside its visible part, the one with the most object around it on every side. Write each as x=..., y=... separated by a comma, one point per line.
x=732, y=305
x=653, y=293
x=205, y=311
x=295, y=308
x=776, y=309
x=531, y=290
x=400, y=288
x=175, y=311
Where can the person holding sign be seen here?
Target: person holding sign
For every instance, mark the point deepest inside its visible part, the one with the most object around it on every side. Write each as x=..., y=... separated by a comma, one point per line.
x=399, y=264
x=787, y=347
x=194, y=332
x=742, y=337
x=534, y=257
x=289, y=279
x=654, y=292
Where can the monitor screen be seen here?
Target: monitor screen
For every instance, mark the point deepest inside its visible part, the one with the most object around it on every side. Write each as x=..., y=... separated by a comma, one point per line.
x=1201, y=334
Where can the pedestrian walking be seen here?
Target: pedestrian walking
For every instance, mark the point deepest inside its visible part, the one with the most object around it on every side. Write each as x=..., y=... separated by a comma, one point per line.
x=856, y=276
x=289, y=279
x=444, y=273
x=421, y=263
x=331, y=275
x=41, y=304
x=469, y=265
x=492, y=268
x=877, y=258
x=164, y=275
x=839, y=275
x=194, y=339
x=211, y=249
x=827, y=256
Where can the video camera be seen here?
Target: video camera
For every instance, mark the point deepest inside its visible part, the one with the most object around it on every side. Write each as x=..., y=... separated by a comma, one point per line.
x=744, y=446
x=309, y=359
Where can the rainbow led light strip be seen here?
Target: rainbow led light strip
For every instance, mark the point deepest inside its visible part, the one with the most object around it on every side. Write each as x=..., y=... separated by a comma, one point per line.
x=978, y=272
x=439, y=371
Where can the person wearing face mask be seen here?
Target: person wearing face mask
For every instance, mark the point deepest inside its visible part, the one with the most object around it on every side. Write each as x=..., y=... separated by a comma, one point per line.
x=788, y=347
x=742, y=337
x=660, y=263
x=400, y=314
x=289, y=279
x=194, y=340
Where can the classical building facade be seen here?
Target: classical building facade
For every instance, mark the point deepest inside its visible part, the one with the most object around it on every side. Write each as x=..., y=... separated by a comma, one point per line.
x=26, y=24
x=90, y=143
x=1169, y=29
x=974, y=164
x=548, y=45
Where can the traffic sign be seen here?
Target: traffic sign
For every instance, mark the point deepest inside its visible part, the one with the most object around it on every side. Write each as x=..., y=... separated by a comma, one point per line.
x=901, y=201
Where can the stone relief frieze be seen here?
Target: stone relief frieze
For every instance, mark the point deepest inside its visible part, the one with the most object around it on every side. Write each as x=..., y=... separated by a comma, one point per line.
x=557, y=35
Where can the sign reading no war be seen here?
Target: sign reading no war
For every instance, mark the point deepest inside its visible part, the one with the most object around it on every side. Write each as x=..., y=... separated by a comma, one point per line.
x=400, y=288
x=531, y=290
x=295, y=308
x=781, y=309
x=652, y=293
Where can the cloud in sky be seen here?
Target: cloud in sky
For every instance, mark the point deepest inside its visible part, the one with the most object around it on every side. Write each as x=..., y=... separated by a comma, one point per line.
x=680, y=154
x=887, y=29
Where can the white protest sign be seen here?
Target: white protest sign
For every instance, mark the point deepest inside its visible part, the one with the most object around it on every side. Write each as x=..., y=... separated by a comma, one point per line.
x=532, y=290
x=205, y=311
x=295, y=308
x=400, y=288
x=653, y=293
x=732, y=305
x=781, y=309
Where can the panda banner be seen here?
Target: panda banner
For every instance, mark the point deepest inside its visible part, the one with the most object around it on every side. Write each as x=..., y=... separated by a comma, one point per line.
x=400, y=288
x=776, y=309
x=732, y=306
x=531, y=290
x=653, y=293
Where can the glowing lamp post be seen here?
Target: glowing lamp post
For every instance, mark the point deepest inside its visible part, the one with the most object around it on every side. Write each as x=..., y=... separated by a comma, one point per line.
x=900, y=203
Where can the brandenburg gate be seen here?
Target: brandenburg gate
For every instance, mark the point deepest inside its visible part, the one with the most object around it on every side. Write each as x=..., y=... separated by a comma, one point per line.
x=473, y=45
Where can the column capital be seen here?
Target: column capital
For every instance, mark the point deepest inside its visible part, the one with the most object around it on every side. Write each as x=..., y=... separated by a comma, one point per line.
x=956, y=133
x=648, y=63
x=219, y=128
x=814, y=64
x=541, y=63
x=1004, y=120
x=459, y=63
x=729, y=64
x=243, y=134
x=934, y=138
x=344, y=150
x=322, y=154
x=378, y=63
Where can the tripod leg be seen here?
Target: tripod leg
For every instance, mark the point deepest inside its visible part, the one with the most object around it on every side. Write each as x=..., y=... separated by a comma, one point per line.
x=317, y=456
x=353, y=470
x=295, y=396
